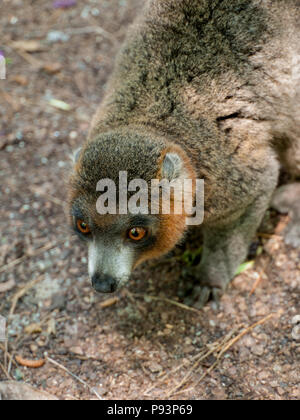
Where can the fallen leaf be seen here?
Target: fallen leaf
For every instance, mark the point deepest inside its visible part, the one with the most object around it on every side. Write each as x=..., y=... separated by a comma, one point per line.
x=52, y=68
x=109, y=302
x=244, y=267
x=20, y=80
x=28, y=46
x=33, y=329
x=56, y=103
x=51, y=327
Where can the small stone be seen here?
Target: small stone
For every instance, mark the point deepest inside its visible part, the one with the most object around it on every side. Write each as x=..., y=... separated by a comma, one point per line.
x=77, y=350
x=57, y=36
x=154, y=367
x=258, y=350
x=33, y=348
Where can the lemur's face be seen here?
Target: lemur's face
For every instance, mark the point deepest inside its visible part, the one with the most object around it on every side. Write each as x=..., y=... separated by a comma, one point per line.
x=118, y=243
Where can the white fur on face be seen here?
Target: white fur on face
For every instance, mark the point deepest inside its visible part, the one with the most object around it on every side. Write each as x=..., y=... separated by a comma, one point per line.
x=92, y=259
x=115, y=260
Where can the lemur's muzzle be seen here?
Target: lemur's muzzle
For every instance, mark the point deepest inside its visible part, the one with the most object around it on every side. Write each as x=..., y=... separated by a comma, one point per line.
x=104, y=283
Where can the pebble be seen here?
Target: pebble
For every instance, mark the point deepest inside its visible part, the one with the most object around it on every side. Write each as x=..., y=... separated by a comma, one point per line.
x=57, y=36
x=77, y=350
x=154, y=367
x=258, y=350
x=73, y=135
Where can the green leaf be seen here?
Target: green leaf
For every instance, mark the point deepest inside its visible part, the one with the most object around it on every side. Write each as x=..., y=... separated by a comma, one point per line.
x=244, y=267
x=189, y=257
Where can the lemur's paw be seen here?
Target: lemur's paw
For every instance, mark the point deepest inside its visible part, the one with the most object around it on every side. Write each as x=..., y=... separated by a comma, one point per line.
x=203, y=290
x=203, y=294
x=292, y=233
x=287, y=200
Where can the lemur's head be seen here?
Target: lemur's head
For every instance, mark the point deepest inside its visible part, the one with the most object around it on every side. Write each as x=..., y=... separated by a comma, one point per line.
x=126, y=236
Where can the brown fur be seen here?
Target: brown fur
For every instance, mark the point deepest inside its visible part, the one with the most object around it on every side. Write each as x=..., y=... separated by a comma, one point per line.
x=218, y=82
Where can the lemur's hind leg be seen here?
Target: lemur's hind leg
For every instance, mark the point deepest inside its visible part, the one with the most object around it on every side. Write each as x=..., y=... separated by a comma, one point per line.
x=287, y=200
x=226, y=247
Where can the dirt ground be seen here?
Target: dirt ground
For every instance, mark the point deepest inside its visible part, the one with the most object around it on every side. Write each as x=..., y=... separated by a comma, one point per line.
x=143, y=344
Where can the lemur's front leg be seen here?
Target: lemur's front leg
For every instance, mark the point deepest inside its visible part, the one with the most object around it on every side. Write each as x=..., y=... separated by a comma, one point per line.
x=225, y=248
x=287, y=200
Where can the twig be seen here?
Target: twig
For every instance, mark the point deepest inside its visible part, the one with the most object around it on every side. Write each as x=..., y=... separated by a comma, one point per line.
x=38, y=191
x=55, y=200
x=7, y=355
x=244, y=332
x=27, y=57
x=256, y=283
x=204, y=354
x=73, y=376
x=91, y=29
x=23, y=292
x=7, y=286
x=269, y=236
x=215, y=347
x=11, y=362
x=5, y=371
x=222, y=348
x=259, y=278
x=33, y=254
x=172, y=302
x=15, y=106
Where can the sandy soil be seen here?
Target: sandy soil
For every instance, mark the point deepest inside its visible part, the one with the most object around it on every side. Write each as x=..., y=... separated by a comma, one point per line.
x=142, y=345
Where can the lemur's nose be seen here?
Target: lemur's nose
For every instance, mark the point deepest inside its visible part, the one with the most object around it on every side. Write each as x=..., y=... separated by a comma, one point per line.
x=104, y=283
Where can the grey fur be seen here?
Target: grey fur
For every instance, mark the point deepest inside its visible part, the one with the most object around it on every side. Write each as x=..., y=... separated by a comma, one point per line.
x=172, y=167
x=221, y=80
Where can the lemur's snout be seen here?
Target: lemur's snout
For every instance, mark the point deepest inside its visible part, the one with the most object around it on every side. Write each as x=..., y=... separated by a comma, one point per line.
x=104, y=283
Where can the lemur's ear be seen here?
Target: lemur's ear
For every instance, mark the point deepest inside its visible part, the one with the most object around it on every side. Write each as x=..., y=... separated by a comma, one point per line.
x=75, y=155
x=172, y=167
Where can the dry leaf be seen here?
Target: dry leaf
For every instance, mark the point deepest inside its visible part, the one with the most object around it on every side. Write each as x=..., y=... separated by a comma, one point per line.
x=28, y=46
x=52, y=68
x=20, y=80
x=33, y=329
x=109, y=302
x=56, y=103
x=51, y=327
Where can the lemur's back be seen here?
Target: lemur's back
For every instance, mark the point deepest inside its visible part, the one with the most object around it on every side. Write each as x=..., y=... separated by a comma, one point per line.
x=200, y=68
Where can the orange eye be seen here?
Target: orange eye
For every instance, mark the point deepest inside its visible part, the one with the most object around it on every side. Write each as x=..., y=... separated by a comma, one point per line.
x=83, y=227
x=137, y=233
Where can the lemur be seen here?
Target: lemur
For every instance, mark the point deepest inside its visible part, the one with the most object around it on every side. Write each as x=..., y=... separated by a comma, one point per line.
x=201, y=89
